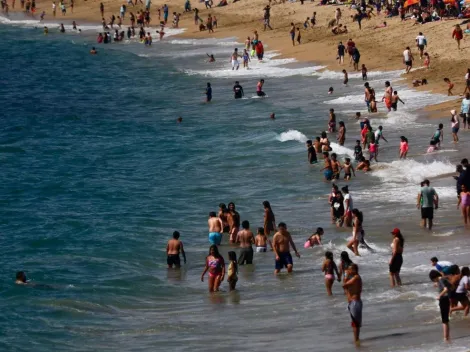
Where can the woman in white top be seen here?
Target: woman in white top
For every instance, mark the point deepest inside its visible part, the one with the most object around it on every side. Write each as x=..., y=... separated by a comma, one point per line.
x=455, y=125
x=461, y=292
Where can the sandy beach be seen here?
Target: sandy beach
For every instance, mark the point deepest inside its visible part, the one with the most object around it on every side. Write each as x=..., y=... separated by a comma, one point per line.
x=381, y=48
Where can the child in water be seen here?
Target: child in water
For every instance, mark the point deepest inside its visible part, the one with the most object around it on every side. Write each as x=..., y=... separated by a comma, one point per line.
x=450, y=86
x=364, y=72
x=330, y=90
x=348, y=168
x=262, y=241
x=432, y=147
x=403, y=147
x=358, y=151
x=364, y=165
x=314, y=239
x=232, y=276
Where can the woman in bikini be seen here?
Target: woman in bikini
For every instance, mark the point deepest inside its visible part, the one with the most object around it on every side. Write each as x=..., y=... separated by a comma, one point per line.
x=324, y=142
x=315, y=239
x=464, y=204
x=329, y=268
x=358, y=232
x=216, y=266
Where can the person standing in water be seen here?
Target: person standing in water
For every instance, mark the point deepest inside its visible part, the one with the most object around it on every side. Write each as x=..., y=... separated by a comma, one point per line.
x=246, y=239
x=234, y=59
x=443, y=287
x=173, y=249
x=282, y=241
x=261, y=241
x=358, y=232
x=344, y=265
x=329, y=268
x=238, y=90
x=208, y=92
x=353, y=289
x=311, y=153
x=348, y=207
x=269, y=219
x=233, y=219
x=397, y=257
x=427, y=201
x=215, y=264
x=215, y=229
x=403, y=147
x=341, y=133
x=328, y=169
x=259, y=88
x=232, y=276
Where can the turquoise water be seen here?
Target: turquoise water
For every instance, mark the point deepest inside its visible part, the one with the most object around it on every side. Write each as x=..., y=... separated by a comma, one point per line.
x=97, y=174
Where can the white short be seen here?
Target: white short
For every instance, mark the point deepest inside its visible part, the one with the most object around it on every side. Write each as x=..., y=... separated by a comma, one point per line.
x=261, y=249
x=235, y=63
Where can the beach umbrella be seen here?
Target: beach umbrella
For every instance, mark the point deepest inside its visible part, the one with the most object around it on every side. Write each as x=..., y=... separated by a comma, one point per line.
x=411, y=2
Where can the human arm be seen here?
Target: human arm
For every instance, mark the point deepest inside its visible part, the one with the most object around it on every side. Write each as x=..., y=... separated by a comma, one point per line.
x=436, y=200
x=223, y=270
x=418, y=201
x=183, y=252
x=401, y=101
x=293, y=246
x=352, y=169
x=274, y=246
x=167, y=248
x=205, y=270
x=350, y=282
x=459, y=201
x=335, y=268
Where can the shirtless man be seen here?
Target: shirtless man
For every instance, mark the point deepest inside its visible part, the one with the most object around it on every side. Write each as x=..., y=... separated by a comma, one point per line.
x=387, y=98
x=234, y=59
x=282, y=241
x=233, y=219
x=173, y=249
x=223, y=216
x=367, y=95
x=215, y=229
x=327, y=170
x=246, y=239
x=335, y=166
x=353, y=289
x=261, y=241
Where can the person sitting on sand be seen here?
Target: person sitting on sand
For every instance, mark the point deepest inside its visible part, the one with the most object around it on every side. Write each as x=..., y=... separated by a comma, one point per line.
x=337, y=29
x=383, y=25
x=420, y=82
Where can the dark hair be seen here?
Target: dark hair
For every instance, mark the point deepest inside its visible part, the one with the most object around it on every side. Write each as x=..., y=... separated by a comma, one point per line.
x=345, y=258
x=282, y=224
x=329, y=255
x=355, y=268
x=434, y=259
x=358, y=214
x=454, y=270
x=434, y=274
x=345, y=189
x=464, y=161
x=266, y=203
x=216, y=251
x=231, y=203
x=358, y=141
x=176, y=235
x=347, y=159
x=341, y=123
x=319, y=229
x=212, y=214
x=465, y=271
x=441, y=125
x=317, y=138
x=261, y=230
x=20, y=275
x=246, y=224
x=323, y=134
x=309, y=142
x=426, y=182
x=387, y=83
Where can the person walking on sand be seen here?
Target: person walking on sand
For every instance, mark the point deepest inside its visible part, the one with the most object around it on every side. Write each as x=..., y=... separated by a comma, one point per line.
x=292, y=33
x=353, y=290
x=408, y=59
x=329, y=268
x=341, y=51
x=337, y=15
x=101, y=9
x=428, y=200
x=455, y=125
x=450, y=86
x=421, y=43
x=269, y=219
x=173, y=249
x=216, y=266
x=457, y=34
x=397, y=257
x=282, y=241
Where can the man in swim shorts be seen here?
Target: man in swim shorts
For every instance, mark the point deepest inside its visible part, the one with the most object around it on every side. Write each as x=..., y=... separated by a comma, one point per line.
x=282, y=241
x=353, y=290
x=387, y=98
x=246, y=239
x=234, y=57
x=327, y=170
x=173, y=249
x=215, y=229
x=223, y=211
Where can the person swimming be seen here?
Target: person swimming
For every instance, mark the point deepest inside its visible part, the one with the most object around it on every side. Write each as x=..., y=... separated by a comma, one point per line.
x=314, y=239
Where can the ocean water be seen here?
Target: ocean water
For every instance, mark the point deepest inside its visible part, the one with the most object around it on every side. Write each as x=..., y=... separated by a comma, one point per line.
x=97, y=175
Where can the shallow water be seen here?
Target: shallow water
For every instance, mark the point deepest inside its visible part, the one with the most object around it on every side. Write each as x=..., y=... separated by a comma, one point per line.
x=98, y=174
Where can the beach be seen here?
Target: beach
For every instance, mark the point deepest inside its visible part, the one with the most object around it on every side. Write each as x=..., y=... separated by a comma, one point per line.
x=98, y=174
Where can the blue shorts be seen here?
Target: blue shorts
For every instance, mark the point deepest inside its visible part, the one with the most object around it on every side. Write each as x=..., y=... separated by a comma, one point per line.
x=455, y=129
x=215, y=238
x=284, y=260
x=328, y=174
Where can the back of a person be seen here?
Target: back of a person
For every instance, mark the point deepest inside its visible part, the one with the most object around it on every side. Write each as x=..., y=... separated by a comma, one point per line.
x=427, y=193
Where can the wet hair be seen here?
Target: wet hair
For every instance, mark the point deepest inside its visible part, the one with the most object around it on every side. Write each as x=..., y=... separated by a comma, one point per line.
x=326, y=153
x=216, y=251
x=348, y=160
x=387, y=84
x=266, y=203
x=317, y=138
x=366, y=84
x=355, y=268
x=230, y=204
x=232, y=256
x=341, y=123
x=454, y=270
x=282, y=224
x=212, y=214
x=426, y=182
x=329, y=255
x=395, y=92
x=319, y=229
x=21, y=276
x=323, y=134
x=222, y=206
x=345, y=189
x=434, y=274
x=176, y=235
x=261, y=230
x=246, y=224
x=358, y=214
x=309, y=142
x=358, y=114
x=441, y=125
x=434, y=260
x=345, y=258
x=464, y=161
x=358, y=141
x=465, y=271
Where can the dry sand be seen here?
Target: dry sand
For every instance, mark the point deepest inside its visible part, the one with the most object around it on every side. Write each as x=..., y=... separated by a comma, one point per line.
x=380, y=48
